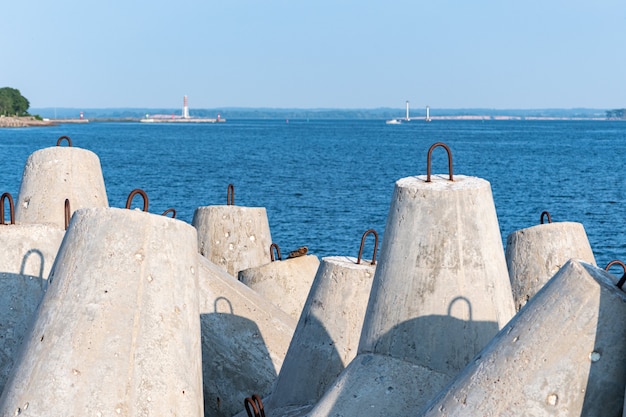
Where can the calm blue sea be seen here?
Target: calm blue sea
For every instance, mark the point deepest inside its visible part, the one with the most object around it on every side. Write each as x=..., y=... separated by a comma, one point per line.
x=324, y=183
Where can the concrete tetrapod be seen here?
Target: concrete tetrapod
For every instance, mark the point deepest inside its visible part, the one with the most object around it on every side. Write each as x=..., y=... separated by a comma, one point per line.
x=285, y=283
x=244, y=340
x=440, y=293
x=535, y=254
x=327, y=336
x=232, y=237
x=118, y=330
x=562, y=355
x=51, y=176
x=28, y=251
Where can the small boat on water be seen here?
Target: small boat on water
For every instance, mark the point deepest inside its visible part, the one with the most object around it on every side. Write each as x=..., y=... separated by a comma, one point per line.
x=394, y=122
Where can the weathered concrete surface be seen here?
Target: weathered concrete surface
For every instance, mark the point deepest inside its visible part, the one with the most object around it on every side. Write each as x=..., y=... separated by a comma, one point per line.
x=441, y=291
x=441, y=261
x=232, y=237
x=535, y=254
x=379, y=386
x=285, y=283
x=118, y=330
x=244, y=340
x=54, y=174
x=28, y=251
x=327, y=335
x=562, y=355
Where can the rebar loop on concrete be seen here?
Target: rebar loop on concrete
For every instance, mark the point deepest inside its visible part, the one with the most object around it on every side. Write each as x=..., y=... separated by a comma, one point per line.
x=133, y=193
x=62, y=138
x=256, y=404
x=367, y=232
x=272, y=247
x=11, y=208
x=622, y=280
x=545, y=214
x=429, y=158
x=67, y=213
x=168, y=211
x=230, y=195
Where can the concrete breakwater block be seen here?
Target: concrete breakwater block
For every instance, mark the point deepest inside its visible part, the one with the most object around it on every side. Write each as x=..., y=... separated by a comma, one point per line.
x=233, y=237
x=442, y=262
x=244, y=340
x=562, y=355
x=51, y=176
x=378, y=386
x=284, y=283
x=118, y=330
x=28, y=252
x=327, y=335
x=441, y=291
x=535, y=254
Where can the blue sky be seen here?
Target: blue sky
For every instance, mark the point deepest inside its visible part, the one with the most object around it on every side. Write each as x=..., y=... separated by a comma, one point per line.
x=315, y=54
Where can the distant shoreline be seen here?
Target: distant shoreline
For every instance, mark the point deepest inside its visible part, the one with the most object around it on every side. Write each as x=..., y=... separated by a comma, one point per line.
x=32, y=121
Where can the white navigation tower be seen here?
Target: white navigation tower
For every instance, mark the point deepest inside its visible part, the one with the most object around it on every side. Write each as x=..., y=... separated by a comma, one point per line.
x=407, y=118
x=185, y=109
x=428, y=119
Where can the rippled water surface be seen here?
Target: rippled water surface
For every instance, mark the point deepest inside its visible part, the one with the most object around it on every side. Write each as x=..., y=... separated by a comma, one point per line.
x=324, y=183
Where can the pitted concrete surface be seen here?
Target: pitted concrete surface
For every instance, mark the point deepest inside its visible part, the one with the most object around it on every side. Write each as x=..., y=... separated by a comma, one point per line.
x=285, y=283
x=118, y=330
x=54, y=174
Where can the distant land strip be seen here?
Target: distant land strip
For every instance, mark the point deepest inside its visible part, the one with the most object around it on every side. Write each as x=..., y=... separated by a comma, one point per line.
x=231, y=113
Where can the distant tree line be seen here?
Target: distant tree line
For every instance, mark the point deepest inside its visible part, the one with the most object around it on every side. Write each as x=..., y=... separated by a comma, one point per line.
x=13, y=103
x=616, y=114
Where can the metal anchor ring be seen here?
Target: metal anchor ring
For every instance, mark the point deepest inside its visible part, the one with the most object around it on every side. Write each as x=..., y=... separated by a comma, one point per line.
x=545, y=214
x=272, y=247
x=429, y=158
x=67, y=213
x=256, y=404
x=11, y=208
x=168, y=211
x=133, y=193
x=367, y=232
x=230, y=195
x=67, y=138
x=622, y=280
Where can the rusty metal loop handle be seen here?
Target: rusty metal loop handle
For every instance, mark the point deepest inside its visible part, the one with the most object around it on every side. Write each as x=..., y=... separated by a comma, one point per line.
x=256, y=404
x=133, y=193
x=168, y=211
x=272, y=247
x=429, y=158
x=622, y=280
x=544, y=214
x=67, y=213
x=367, y=232
x=11, y=208
x=230, y=195
x=67, y=138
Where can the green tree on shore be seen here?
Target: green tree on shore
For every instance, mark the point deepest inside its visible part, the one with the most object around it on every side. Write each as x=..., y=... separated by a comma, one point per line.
x=12, y=103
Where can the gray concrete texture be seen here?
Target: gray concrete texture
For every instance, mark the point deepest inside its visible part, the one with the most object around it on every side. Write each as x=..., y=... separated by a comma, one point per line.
x=233, y=237
x=118, y=330
x=28, y=252
x=441, y=289
x=379, y=386
x=327, y=335
x=244, y=340
x=51, y=176
x=562, y=355
x=535, y=254
x=285, y=283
